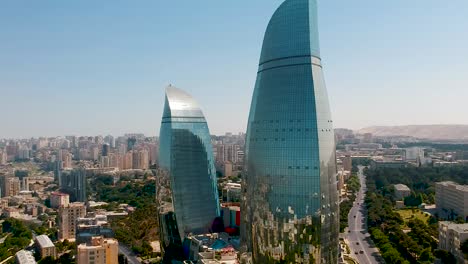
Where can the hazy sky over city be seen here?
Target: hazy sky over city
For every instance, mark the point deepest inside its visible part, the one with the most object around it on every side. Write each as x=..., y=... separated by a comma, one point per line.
x=97, y=67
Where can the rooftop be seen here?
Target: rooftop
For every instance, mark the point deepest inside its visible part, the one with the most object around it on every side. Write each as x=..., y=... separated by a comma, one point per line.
x=25, y=257
x=459, y=228
x=180, y=104
x=44, y=241
x=455, y=185
x=402, y=187
x=59, y=194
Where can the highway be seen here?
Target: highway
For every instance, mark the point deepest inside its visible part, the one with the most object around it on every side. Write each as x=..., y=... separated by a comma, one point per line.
x=360, y=243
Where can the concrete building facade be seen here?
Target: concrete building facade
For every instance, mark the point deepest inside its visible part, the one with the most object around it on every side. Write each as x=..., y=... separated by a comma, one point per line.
x=401, y=191
x=68, y=217
x=45, y=247
x=451, y=237
x=451, y=199
x=58, y=199
x=99, y=251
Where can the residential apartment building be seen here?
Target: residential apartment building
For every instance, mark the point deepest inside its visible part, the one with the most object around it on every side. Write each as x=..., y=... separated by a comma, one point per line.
x=451, y=199
x=24, y=257
x=58, y=199
x=12, y=186
x=451, y=237
x=68, y=216
x=45, y=247
x=99, y=251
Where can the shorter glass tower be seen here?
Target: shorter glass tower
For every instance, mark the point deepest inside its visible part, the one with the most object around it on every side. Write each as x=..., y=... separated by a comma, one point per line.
x=187, y=193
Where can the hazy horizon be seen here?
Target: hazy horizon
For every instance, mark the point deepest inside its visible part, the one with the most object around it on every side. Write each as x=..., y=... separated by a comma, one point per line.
x=98, y=68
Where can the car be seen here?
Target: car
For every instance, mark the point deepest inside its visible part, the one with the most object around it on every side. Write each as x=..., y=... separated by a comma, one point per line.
x=354, y=216
x=361, y=251
x=356, y=253
x=357, y=243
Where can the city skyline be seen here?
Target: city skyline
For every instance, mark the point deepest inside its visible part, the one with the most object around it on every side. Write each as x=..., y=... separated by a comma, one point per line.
x=71, y=80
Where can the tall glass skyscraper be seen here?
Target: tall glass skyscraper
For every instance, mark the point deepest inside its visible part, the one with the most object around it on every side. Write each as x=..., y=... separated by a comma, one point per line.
x=290, y=210
x=187, y=193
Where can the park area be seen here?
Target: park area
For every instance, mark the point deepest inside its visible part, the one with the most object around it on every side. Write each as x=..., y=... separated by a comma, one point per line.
x=409, y=214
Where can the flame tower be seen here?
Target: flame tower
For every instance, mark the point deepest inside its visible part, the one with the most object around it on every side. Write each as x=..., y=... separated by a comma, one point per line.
x=290, y=210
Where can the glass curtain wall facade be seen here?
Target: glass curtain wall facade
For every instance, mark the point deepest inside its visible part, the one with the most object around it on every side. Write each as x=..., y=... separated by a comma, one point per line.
x=187, y=193
x=290, y=210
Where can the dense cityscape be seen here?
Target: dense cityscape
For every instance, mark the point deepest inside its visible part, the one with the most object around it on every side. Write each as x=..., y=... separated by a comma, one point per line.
x=293, y=188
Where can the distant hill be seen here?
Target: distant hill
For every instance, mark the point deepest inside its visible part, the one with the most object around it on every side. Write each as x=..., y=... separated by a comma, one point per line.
x=433, y=132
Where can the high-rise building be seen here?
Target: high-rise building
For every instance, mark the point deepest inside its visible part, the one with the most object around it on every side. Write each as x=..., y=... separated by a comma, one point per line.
x=23, y=152
x=94, y=153
x=153, y=150
x=58, y=199
x=105, y=150
x=73, y=182
x=115, y=160
x=99, y=251
x=67, y=160
x=12, y=186
x=220, y=158
x=109, y=139
x=83, y=154
x=131, y=142
x=105, y=161
x=187, y=192
x=127, y=161
x=3, y=180
x=290, y=202
x=3, y=157
x=68, y=217
x=347, y=162
x=140, y=159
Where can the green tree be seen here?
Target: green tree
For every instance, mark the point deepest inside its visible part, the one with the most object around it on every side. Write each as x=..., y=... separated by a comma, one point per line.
x=47, y=260
x=426, y=256
x=445, y=256
x=464, y=248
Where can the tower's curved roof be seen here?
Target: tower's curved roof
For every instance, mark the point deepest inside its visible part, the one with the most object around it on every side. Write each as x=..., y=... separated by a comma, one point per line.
x=180, y=104
x=292, y=31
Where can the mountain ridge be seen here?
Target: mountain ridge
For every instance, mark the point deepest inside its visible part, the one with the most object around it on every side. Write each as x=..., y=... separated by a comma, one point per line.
x=433, y=132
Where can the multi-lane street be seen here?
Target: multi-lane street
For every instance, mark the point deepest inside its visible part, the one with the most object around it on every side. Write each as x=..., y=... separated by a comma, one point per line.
x=132, y=259
x=360, y=244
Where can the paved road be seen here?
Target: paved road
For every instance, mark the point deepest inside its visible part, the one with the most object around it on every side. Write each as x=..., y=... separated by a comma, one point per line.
x=358, y=237
x=132, y=259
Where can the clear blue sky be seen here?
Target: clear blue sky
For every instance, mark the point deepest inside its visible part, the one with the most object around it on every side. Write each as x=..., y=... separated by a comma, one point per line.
x=96, y=67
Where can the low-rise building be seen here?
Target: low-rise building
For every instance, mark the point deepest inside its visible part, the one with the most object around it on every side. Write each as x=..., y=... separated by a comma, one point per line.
x=451, y=199
x=24, y=257
x=451, y=237
x=99, y=251
x=232, y=192
x=387, y=162
x=45, y=247
x=92, y=226
x=213, y=248
x=401, y=191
